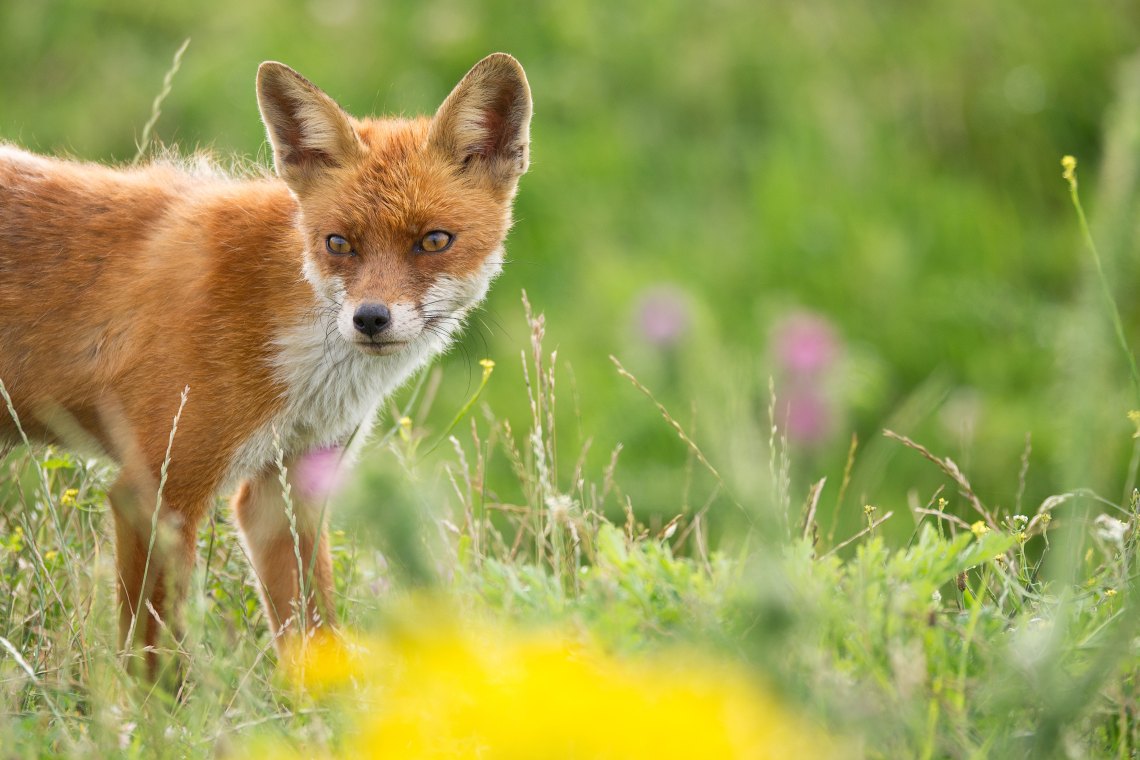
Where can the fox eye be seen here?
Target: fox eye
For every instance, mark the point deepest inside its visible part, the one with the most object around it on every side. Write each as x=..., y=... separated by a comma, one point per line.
x=338, y=246
x=435, y=241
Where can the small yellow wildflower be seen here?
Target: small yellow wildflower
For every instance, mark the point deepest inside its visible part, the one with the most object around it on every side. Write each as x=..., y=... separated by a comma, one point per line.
x=68, y=497
x=1069, y=164
x=1110, y=592
x=15, y=542
x=979, y=529
x=869, y=509
x=487, y=363
x=1134, y=418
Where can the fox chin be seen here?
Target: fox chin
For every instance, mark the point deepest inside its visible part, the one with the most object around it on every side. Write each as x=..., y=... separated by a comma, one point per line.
x=289, y=306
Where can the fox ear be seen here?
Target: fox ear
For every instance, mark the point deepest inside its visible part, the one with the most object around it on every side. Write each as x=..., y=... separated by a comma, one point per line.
x=307, y=129
x=485, y=121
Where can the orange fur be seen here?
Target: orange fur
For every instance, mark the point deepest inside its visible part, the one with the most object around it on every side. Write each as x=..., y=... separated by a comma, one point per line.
x=121, y=287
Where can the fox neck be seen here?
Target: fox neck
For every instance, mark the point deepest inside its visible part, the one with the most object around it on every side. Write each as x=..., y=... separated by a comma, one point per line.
x=330, y=393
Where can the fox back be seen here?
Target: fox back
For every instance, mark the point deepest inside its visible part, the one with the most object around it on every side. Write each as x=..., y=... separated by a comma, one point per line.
x=288, y=305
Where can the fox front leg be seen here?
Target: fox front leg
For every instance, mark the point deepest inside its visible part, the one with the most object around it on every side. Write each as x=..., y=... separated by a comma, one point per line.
x=287, y=540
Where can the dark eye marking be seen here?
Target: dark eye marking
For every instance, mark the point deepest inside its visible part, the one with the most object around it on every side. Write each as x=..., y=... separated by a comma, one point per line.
x=436, y=241
x=338, y=246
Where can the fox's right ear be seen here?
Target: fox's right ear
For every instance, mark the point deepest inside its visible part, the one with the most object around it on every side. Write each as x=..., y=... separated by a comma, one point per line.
x=309, y=132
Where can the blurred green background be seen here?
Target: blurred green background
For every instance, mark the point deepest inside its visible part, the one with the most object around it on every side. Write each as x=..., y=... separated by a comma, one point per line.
x=861, y=200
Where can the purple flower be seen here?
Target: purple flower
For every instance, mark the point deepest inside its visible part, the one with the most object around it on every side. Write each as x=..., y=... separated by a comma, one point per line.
x=804, y=344
x=805, y=352
x=318, y=474
x=663, y=315
x=807, y=416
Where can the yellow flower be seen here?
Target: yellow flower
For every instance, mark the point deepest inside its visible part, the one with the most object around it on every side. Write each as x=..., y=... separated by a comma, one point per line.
x=68, y=497
x=1110, y=592
x=15, y=542
x=445, y=690
x=324, y=661
x=979, y=529
x=1069, y=165
x=1134, y=418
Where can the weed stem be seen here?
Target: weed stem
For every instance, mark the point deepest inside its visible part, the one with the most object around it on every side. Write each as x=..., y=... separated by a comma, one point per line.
x=1070, y=174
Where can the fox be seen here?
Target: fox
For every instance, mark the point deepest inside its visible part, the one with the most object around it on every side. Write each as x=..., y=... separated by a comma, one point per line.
x=196, y=327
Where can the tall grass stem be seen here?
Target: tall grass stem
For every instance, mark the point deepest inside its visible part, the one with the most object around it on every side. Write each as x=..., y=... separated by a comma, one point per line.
x=1070, y=175
x=156, y=106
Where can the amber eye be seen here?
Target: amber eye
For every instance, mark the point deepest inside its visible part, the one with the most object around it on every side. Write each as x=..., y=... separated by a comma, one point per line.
x=435, y=241
x=338, y=245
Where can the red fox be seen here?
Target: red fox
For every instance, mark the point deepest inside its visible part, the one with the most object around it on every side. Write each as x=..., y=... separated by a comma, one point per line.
x=289, y=305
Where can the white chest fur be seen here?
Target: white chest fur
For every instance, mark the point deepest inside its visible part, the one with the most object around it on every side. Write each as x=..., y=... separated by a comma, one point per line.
x=331, y=390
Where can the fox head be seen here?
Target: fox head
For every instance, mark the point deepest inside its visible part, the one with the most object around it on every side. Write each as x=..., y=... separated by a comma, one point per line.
x=403, y=219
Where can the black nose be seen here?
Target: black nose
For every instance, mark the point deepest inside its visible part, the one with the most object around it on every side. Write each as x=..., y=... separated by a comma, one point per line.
x=371, y=318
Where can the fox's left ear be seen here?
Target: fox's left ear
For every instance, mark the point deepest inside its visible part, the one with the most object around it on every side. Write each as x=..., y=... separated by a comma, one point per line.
x=308, y=130
x=485, y=121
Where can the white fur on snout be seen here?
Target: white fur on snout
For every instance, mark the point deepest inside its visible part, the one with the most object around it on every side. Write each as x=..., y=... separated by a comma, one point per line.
x=331, y=387
x=405, y=326
x=438, y=317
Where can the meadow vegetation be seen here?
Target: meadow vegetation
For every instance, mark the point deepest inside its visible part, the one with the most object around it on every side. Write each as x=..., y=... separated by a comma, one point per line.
x=537, y=625
x=754, y=237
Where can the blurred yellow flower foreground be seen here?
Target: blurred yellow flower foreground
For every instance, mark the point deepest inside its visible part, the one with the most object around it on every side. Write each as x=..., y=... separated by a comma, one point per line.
x=478, y=691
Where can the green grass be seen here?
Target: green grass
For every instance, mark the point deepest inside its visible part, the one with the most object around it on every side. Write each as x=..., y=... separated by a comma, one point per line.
x=1009, y=636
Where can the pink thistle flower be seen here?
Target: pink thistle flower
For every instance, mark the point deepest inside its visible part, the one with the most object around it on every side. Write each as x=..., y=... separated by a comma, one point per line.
x=806, y=351
x=804, y=344
x=807, y=416
x=318, y=474
x=663, y=315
